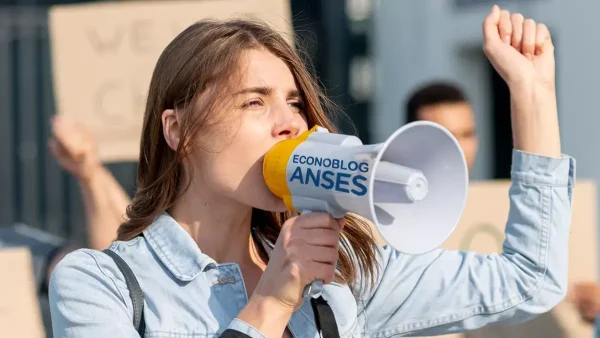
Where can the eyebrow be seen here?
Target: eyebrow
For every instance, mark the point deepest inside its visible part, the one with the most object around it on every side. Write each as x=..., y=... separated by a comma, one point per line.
x=266, y=91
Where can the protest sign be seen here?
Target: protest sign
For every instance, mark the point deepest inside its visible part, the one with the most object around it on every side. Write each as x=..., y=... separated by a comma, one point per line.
x=20, y=314
x=103, y=56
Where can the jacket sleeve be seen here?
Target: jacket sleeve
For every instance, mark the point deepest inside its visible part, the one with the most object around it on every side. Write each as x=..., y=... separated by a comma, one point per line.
x=447, y=291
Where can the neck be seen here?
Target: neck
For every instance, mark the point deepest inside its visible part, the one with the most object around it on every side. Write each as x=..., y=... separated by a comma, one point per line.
x=219, y=225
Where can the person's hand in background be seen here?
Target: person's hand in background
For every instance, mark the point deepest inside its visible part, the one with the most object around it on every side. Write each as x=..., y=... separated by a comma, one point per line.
x=586, y=297
x=74, y=148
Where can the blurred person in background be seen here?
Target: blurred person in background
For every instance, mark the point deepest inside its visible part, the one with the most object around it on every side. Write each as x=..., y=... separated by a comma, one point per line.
x=216, y=252
x=446, y=104
x=105, y=200
x=74, y=148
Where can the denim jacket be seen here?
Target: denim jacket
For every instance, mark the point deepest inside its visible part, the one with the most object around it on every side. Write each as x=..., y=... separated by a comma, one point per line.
x=188, y=294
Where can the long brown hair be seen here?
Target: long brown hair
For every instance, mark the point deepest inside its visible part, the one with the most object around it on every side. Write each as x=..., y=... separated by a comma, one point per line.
x=201, y=58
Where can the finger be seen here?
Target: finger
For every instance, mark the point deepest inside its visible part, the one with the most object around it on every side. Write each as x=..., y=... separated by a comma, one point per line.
x=64, y=134
x=490, y=26
x=324, y=272
x=505, y=27
x=529, y=35
x=517, y=20
x=542, y=36
x=323, y=237
x=57, y=151
x=322, y=254
x=316, y=220
x=341, y=223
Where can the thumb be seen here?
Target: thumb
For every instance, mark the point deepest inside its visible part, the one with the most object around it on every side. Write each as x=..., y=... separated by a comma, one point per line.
x=491, y=34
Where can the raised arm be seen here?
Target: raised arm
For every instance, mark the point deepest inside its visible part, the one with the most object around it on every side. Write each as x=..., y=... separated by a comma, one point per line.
x=104, y=208
x=452, y=291
x=105, y=200
x=117, y=196
x=447, y=291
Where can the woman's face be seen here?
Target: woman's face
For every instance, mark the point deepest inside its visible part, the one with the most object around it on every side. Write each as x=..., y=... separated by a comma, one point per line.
x=265, y=108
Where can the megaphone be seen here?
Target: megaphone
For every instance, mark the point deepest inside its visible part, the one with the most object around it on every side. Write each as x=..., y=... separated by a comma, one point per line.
x=413, y=186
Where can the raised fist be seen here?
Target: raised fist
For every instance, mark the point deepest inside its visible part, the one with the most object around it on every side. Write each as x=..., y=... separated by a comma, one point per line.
x=74, y=148
x=520, y=49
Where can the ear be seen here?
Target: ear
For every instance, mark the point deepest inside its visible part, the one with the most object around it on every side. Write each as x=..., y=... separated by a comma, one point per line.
x=171, y=128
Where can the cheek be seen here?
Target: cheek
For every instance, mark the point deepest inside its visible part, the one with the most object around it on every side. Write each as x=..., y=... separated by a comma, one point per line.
x=236, y=170
x=228, y=167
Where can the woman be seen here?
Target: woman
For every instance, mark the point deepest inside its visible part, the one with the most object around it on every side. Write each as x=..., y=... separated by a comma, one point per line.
x=223, y=94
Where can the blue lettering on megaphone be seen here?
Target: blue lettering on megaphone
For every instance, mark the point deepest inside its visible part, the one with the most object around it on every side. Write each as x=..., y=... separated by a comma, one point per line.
x=328, y=179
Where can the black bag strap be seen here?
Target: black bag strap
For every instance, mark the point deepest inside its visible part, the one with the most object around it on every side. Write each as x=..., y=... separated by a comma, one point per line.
x=135, y=292
x=324, y=318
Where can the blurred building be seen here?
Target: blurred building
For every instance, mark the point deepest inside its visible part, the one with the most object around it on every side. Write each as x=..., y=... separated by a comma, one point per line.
x=417, y=41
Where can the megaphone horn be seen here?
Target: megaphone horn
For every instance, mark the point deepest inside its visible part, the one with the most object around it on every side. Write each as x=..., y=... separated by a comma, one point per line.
x=413, y=186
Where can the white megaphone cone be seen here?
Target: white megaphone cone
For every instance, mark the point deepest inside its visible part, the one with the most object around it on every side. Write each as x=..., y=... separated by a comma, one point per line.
x=413, y=186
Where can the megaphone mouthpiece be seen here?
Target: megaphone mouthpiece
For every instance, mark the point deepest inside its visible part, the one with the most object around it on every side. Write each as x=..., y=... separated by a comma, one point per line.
x=414, y=182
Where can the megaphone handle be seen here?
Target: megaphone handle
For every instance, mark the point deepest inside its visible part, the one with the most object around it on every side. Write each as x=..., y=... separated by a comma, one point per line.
x=315, y=288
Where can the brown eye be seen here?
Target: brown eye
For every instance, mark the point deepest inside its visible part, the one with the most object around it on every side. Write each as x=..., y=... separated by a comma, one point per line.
x=298, y=106
x=253, y=103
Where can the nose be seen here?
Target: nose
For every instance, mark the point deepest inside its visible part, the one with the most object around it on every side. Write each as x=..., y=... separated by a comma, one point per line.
x=287, y=129
x=289, y=126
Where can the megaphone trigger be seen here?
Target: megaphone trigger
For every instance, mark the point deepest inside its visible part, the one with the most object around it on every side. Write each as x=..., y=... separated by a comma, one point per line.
x=413, y=186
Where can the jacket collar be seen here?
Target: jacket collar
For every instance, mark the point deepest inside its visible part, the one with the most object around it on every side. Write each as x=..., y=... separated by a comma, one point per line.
x=176, y=249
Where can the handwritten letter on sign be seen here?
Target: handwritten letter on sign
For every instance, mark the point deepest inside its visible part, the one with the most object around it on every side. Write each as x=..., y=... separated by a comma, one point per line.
x=103, y=55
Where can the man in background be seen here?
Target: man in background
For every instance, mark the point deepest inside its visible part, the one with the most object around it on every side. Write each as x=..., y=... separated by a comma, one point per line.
x=446, y=104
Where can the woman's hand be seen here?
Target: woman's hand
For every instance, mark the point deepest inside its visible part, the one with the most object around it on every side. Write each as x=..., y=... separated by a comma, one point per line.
x=74, y=148
x=306, y=250
x=522, y=52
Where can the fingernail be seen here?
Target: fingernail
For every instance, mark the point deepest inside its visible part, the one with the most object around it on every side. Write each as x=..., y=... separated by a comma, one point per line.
x=506, y=39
